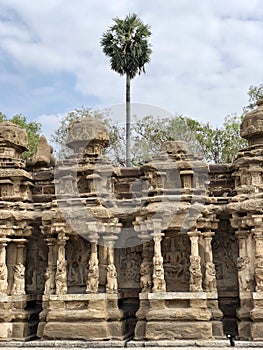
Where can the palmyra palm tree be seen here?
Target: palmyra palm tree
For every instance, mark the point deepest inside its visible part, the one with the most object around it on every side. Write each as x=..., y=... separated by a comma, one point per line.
x=127, y=46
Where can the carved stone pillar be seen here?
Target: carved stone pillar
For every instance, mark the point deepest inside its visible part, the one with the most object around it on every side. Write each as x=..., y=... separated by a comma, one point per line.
x=18, y=287
x=93, y=272
x=256, y=313
x=112, y=284
x=61, y=274
x=210, y=272
x=159, y=284
x=258, y=237
x=195, y=263
x=50, y=284
x=3, y=267
x=146, y=265
x=243, y=263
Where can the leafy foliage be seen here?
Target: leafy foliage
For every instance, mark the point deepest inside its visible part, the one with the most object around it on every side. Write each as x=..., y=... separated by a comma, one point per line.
x=126, y=44
x=33, y=130
x=217, y=145
x=255, y=93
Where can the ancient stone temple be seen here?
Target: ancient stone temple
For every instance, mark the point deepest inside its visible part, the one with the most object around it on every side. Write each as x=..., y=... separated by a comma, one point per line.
x=172, y=249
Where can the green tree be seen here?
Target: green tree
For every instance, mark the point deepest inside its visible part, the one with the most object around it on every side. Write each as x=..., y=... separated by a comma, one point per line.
x=255, y=93
x=126, y=43
x=33, y=130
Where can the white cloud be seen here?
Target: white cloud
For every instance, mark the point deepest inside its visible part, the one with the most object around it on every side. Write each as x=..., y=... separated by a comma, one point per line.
x=206, y=54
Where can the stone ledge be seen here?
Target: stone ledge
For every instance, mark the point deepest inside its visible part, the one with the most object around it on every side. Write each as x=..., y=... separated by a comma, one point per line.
x=34, y=344
x=173, y=296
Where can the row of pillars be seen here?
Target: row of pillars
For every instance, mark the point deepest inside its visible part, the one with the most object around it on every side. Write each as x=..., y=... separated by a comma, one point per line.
x=153, y=280
x=18, y=280
x=250, y=260
x=152, y=270
x=56, y=275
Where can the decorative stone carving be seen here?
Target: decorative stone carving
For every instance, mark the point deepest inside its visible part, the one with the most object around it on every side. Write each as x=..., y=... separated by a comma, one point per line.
x=61, y=277
x=3, y=278
x=146, y=277
x=245, y=282
x=50, y=284
x=195, y=274
x=259, y=275
x=93, y=274
x=93, y=277
x=112, y=285
x=210, y=277
x=18, y=287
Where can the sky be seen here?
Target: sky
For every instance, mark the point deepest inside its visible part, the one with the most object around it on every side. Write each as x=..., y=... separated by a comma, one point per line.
x=206, y=55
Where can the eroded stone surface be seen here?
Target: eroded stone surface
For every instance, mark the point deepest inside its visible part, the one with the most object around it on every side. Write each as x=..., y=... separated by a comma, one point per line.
x=169, y=250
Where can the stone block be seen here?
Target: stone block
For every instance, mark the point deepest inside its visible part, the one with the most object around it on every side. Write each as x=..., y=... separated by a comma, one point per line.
x=76, y=331
x=6, y=330
x=178, y=330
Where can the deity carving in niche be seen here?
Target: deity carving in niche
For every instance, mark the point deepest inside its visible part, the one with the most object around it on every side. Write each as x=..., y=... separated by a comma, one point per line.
x=77, y=255
x=130, y=261
x=176, y=263
x=36, y=265
x=225, y=254
x=18, y=287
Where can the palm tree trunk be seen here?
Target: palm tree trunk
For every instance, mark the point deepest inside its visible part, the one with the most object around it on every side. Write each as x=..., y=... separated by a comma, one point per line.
x=128, y=120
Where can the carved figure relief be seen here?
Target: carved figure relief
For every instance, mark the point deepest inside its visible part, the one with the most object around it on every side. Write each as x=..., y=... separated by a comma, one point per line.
x=3, y=279
x=176, y=263
x=146, y=277
x=112, y=285
x=225, y=254
x=210, y=277
x=50, y=285
x=93, y=277
x=18, y=286
x=77, y=256
x=129, y=263
x=259, y=275
x=158, y=274
x=244, y=278
x=61, y=277
x=195, y=274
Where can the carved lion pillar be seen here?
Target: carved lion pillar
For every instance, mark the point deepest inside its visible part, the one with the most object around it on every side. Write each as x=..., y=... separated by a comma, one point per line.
x=243, y=263
x=159, y=284
x=210, y=272
x=195, y=263
x=61, y=274
x=18, y=287
x=3, y=267
x=258, y=237
x=146, y=265
x=112, y=284
x=50, y=284
x=93, y=271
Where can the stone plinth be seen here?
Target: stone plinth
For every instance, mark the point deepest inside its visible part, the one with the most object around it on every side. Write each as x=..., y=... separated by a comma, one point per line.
x=82, y=317
x=257, y=316
x=19, y=317
x=174, y=315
